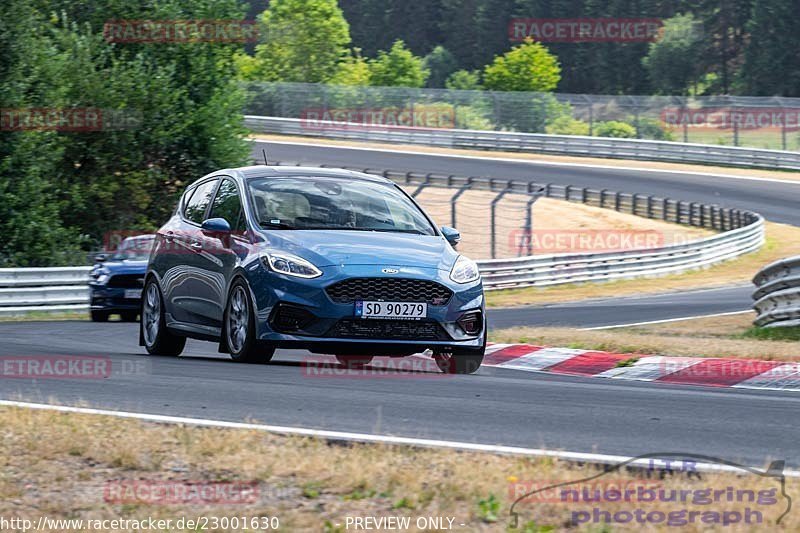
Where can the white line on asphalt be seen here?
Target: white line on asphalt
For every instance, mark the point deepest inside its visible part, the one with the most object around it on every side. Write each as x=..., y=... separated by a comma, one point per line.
x=387, y=439
x=664, y=321
x=533, y=162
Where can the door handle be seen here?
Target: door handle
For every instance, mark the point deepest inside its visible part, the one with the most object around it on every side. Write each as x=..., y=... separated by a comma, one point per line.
x=170, y=236
x=196, y=246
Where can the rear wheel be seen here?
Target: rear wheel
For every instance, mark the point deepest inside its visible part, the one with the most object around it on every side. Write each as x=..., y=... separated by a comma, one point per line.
x=240, y=328
x=158, y=340
x=354, y=361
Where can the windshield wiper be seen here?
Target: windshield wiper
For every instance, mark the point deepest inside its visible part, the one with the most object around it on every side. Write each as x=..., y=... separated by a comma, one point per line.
x=276, y=225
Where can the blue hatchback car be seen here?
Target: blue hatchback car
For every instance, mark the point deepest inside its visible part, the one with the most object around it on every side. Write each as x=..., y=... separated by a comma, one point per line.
x=331, y=261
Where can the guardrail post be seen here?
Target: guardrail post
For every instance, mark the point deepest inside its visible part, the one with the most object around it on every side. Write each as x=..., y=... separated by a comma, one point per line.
x=583, y=195
x=566, y=192
x=664, y=208
x=616, y=201
x=454, y=200
x=421, y=186
x=602, y=197
x=649, y=206
x=528, y=231
x=493, y=218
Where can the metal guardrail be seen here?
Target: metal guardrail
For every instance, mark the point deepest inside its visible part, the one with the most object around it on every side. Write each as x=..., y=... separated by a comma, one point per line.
x=638, y=149
x=777, y=294
x=25, y=290
x=65, y=289
x=742, y=233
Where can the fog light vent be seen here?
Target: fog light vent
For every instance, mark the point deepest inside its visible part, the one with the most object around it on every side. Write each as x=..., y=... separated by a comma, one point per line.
x=287, y=317
x=471, y=322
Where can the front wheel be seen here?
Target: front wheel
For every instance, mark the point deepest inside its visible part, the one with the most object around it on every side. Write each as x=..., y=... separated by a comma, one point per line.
x=99, y=316
x=456, y=360
x=240, y=328
x=158, y=340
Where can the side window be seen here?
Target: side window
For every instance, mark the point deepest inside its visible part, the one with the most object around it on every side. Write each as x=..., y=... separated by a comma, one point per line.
x=195, y=208
x=228, y=205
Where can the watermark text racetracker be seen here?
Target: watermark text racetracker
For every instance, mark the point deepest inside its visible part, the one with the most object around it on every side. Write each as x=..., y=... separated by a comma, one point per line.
x=68, y=119
x=184, y=523
x=181, y=31
x=422, y=116
x=82, y=367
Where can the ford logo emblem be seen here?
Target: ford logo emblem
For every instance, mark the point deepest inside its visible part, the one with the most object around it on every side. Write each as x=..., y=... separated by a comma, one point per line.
x=390, y=270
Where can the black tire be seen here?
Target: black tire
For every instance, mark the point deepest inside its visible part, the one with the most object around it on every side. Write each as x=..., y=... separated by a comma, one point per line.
x=456, y=360
x=99, y=316
x=239, y=328
x=129, y=316
x=354, y=361
x=158, y=340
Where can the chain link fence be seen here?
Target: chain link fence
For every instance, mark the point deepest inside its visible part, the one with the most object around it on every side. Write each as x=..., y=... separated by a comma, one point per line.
x=757, y=122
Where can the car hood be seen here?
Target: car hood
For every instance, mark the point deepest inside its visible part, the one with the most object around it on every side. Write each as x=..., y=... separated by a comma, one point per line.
x=124, y=267
x=328, y=248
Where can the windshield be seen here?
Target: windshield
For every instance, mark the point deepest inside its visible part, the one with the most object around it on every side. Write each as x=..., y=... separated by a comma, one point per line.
x=305, y=203
x=133, y=250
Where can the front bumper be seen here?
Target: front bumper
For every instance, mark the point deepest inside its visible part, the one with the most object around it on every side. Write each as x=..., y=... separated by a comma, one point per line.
x=325, y=323
x=102, y=298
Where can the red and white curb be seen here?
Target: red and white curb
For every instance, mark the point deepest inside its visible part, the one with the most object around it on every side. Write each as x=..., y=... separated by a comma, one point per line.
x=713, y=372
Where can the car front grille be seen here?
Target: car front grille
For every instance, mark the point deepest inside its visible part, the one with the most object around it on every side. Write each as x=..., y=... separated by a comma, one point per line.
x=126, y=281
x=389, y=289
x=411, y=330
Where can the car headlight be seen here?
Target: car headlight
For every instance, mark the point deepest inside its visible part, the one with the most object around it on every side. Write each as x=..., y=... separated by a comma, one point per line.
x=291, y=265
x=99, y=276
x=465, y=270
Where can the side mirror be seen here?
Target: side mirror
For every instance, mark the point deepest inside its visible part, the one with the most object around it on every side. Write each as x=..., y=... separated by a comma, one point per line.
x=215, y=225
x=451, y=234
x=100, y=258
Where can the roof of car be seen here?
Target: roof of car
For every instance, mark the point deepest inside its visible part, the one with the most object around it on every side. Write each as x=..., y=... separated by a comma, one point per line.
x=263, y=171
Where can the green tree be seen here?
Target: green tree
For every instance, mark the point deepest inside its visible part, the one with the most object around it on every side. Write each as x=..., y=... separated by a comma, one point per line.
x=398, y=67
x=33, y=232
x=667, y=61
x=441, y=63
x=527, y=67
x=465, y=80
x=180, y=110
x=353, y=70
x=614, y=128
x=304, y=41
x=772, y=55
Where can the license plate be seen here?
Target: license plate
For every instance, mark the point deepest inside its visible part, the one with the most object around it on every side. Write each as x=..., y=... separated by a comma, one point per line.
x=133, y=294
x=402, y=310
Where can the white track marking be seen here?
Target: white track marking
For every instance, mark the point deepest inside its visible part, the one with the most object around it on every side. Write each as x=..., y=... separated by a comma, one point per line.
x=533, y=162
x=783, y=377
x=664, y=321
x=650, y=368
x=385, y=439
x=541, y=359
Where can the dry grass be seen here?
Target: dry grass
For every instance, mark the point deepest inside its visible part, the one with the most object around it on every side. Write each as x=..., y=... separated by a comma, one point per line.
x=782, y=241
x=552, y=219
x=703, y=337
x=60, y=465
x=682, y=167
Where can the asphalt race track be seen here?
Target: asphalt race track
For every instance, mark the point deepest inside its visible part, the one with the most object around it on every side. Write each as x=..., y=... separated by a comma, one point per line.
x=631, y=310
x=495, y=406
x=777, y=201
